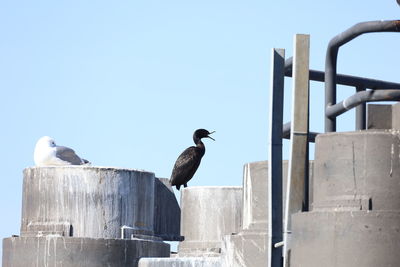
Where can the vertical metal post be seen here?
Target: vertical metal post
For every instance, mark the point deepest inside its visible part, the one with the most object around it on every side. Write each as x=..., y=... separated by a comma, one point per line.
x=330, y=86
x=361, y=113
x=275, y=225
x=296, y=199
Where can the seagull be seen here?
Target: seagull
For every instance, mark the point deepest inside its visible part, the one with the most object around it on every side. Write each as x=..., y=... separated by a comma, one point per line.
x=47, y=153
x=188, y=162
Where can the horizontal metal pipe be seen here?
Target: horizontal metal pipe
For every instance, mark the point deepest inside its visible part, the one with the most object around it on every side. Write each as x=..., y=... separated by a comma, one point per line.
x=362, y=97
x=331, y=58
x=286, y=133
x=343, y=79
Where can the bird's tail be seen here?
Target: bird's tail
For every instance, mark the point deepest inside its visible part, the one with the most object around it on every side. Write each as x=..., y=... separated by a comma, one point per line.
x=86, y=162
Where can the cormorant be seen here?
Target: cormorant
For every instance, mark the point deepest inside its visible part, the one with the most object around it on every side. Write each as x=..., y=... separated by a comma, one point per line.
x=188, y=162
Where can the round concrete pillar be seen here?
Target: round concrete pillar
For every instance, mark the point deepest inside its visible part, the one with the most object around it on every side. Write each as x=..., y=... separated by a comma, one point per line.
x=89, y=202
x=208, y=214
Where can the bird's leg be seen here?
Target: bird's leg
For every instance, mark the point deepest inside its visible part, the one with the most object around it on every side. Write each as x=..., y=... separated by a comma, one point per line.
x=185, y=184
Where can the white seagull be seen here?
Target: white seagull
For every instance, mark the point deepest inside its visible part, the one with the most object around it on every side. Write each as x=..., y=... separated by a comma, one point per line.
x=47, y=153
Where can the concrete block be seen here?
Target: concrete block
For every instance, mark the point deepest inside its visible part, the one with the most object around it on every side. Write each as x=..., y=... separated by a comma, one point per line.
x=53, y=251
x=346, y=239
x=208, y=214
x=379, y=116
x=255, y=193
x=396, y=117
x=255, y=196
x=245, y=249
x=182, y=262
x=167, y=213
x=360, y=172
x=87, y=202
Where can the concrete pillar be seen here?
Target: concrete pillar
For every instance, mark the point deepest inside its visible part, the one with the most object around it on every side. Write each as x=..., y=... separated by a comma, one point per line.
x=87, y=202
x=249, y=246
x=72, y=216
x=167, y=213
x=208, y=214
x=360, y=172
x=355, y=219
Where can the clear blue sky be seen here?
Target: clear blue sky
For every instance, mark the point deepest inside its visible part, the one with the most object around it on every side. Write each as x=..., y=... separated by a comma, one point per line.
x=125, y=83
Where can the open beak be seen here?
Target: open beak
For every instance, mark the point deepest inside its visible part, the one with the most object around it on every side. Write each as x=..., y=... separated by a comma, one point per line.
x=210, y=136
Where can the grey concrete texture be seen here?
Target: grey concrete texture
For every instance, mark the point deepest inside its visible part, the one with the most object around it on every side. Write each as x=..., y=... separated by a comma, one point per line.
x=383, y=116
x=255, y=193
x=167, y=213
x=245, y=249
x=346, y=239
x=379, y=116
x=182, y=262
x=87, y=201
x=395, y=117
x=55, y=251
x=357, y=171
x=209, y=213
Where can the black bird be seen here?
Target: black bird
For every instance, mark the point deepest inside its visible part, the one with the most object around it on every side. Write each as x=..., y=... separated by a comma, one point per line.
x=188, y=162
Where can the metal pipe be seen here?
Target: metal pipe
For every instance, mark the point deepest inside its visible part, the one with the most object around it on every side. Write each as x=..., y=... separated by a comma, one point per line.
x=331, y=59
x=343, y=79
x=361, y=116
x=275, y=203
x=362, y=97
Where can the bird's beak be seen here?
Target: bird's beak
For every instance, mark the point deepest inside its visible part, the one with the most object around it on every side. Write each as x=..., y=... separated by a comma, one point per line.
x=210, y=136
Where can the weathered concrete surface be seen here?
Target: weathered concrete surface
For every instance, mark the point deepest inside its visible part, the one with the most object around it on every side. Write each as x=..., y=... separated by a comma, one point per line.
x=395, y=117
x=255, y=196
x=245, y=249
x=346, y=239
x=356, y=215
x=87, y=202
x=361, y=171
x=53, y=251
x=249, y=246
x=181, y=262
x=167, y=213
x=255, y=193
x=379, y=116
x=209, y=213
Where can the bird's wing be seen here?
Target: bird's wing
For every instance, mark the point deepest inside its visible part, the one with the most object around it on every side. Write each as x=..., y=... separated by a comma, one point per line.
x=68, y=154
x=185, y=166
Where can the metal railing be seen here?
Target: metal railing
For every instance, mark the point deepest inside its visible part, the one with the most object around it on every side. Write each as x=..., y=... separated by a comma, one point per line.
x=367, y=90
x=331, y=75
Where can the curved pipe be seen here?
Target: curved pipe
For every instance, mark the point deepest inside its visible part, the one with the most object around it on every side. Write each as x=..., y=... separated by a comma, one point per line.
x=331, y=58
x=361, y=97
